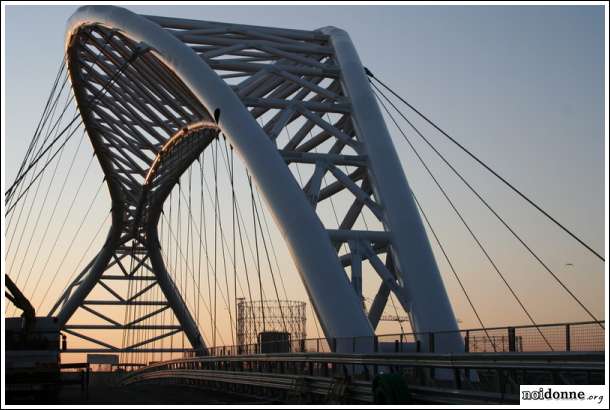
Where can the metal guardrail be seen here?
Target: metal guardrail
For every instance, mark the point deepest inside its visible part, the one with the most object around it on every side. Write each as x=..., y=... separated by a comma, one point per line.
x=434, y=378
x=554, y=337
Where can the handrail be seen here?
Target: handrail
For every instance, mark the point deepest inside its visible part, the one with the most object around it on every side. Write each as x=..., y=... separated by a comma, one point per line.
x=547, y=361
x=316, y=373
x=407, y=337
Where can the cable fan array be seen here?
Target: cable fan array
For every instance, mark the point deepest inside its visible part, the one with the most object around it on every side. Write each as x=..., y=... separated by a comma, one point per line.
x=391, y=110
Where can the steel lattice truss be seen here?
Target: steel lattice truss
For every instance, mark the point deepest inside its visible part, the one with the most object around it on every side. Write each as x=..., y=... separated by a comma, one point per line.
x=254, y=317
x=151, y=119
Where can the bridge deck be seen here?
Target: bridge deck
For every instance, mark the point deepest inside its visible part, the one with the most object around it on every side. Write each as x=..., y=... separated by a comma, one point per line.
x=424, y=377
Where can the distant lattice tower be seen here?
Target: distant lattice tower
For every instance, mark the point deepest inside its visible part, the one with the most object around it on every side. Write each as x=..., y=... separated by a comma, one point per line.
x=256, y=317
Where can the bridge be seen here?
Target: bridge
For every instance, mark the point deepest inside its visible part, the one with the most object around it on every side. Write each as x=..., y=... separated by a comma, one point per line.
x=224, y=154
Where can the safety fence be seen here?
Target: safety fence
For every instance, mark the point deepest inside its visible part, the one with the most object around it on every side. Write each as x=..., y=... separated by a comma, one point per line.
x=557, y=337
x=465, y=378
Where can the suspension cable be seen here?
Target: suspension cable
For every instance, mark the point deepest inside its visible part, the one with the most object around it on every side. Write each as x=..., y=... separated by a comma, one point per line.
x=215, y=166
x=174, y=237
x=76, y=269
x=488, y=168
x=402, y=330
x=455, y=274
x=99, y=93
x=491, y=209
x=31, y=202
x=55, y=206
x=205, y=235
x=233, y=202
x=270, y=267
x=63, y=224
x=474, y=236
x=34, y=230
x=258, y=265
x=44, y=116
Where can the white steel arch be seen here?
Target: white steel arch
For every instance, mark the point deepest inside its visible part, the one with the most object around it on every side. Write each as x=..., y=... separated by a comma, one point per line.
x=281, y=68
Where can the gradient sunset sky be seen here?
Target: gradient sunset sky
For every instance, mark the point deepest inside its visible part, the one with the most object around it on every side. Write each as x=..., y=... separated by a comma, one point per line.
x=521, y=86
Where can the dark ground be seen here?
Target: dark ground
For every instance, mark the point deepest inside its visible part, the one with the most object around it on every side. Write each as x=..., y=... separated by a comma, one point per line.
x=104, y=389
x=147, y=394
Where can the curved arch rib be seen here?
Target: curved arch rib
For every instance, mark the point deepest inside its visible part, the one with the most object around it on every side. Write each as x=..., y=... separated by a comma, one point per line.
x=308, y=241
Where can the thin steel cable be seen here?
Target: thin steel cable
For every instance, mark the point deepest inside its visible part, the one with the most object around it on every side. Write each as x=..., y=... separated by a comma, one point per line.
x=34, y=231
x=493, y=211
x=231, y=171
x=37, y=132
x=402, y=330
x=69, y=248
x=77, y=266
x=488, y=168
x=43, y=169
x=270, y=267
x=174, y=238
x=234, y=244
x=205, y=229
x=238, y=213
x=210, y=265
x=9, y=193
x=271, y=244
x=215, y=165
x=455, y=274
x=31, y=204
x=191, y=239
x=101, y=92
x=63, y=224
x=183, y=259
x=223, y=253
x=258, y=264
x=459, y=214
x=59, y=196
x=43, y=116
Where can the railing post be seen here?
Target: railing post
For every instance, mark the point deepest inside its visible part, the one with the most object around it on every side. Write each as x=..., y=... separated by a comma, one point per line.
x=396, y=346
x=568, y=345
x=467, y=342
x=376, y=344
x=431, y=347
x=334, y=344
x=511, y=339
x=457, y=378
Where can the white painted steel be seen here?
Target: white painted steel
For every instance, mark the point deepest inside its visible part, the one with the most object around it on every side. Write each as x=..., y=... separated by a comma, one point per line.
x=95, y=273
x=337, y=306
x=429, y=306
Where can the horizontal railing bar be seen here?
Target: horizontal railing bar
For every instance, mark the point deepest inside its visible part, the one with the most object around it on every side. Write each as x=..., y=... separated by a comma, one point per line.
x=407, y=338
x=125, y=303
x=543, y=361
x=119, y=350
x=122, y=277
x=356, y=390
x=135, y=327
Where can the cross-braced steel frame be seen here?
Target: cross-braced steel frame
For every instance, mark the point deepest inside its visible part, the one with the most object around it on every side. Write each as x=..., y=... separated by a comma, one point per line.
x=174, y=84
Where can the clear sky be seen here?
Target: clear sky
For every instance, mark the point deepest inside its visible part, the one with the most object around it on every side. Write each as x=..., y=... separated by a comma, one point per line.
x=521, y=86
